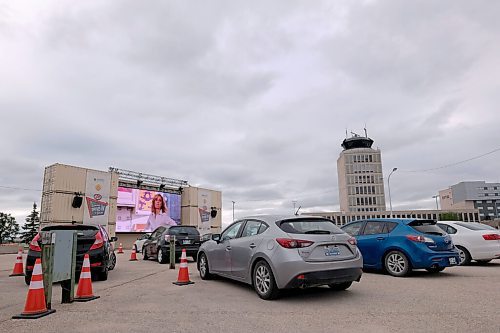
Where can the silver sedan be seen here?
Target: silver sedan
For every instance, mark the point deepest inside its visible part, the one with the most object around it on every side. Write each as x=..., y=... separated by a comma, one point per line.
x=280, y=252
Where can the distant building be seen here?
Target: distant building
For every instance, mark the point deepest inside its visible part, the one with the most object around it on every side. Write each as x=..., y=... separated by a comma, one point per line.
x=485, y=197
x=361, y=184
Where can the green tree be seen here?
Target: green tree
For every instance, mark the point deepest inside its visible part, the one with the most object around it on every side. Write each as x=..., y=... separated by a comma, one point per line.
x=8, y=228
x=31, y=226
x=449, y=216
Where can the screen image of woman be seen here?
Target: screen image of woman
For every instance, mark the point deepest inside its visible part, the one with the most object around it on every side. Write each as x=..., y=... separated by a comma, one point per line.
x=159, y=214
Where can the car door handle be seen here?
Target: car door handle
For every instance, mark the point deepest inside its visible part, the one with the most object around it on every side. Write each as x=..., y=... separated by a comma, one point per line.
x=253, y=245
x=228, y=248
x=380, y=238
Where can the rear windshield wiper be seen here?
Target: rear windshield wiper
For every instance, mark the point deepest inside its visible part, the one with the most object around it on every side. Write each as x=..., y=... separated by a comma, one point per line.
x=322, y=232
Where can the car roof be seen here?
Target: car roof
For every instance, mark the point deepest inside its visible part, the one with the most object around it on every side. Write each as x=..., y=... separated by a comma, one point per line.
x=400, y=221
x=275, y=218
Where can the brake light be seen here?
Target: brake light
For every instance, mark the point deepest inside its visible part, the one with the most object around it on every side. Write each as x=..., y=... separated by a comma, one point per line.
x=491, y=237
x=289, y=243
x=34, y=244
x=352, y=241
x=420, y=239
x=98, y=243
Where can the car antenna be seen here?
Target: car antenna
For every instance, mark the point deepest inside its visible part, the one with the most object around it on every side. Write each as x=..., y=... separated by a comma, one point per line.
x=297, y=212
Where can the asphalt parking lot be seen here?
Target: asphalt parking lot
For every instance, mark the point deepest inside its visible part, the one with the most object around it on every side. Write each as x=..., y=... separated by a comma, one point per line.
x=139, y=296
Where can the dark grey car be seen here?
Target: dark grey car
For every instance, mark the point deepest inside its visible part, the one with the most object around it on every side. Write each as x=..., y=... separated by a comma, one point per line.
x=279, y=252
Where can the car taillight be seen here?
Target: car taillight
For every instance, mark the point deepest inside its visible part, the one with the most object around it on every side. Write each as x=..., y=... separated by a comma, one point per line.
x=34, y=244
x=289, y=243
x=352, y=241
x=98, y=243
x=491, y=237
x=420, y=239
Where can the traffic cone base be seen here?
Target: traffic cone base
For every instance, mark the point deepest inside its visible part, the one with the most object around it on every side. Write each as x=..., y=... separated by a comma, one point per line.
x=183, y=277
x=35, y=306
x=84, y=292
x=18, y=266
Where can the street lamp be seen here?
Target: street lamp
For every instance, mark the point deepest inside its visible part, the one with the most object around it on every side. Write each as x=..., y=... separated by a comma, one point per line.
x=389, y=187
x=436, y=197
x=294, y=203
x=233, y=208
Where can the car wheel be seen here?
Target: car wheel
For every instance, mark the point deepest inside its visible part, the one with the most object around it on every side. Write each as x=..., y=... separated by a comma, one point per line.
x=465, y=257
x=482, y=262
x=135, y=248
x=203, y=267
x=103, y=276
x=162, y=258
x=27, y=279
x=112, y=261
x=397, y=264
x=340, y=286
x=263, y=281
x=144, y=254
x=435, y=269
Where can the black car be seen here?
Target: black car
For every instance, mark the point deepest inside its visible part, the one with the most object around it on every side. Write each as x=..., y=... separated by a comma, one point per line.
x=93, y=240
x=186, y=237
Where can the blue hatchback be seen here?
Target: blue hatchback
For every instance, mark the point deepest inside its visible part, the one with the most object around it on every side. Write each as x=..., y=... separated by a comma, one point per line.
x=400, y=245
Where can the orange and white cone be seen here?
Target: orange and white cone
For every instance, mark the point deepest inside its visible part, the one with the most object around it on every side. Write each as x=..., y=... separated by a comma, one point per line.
x=133, y=255
x=84, y=292
x=120, y=248
x=18, y=266
x=35, y=306
x=183, y=277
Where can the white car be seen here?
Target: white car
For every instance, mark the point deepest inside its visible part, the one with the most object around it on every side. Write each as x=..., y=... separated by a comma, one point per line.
x=140, y=242
x=474, y=241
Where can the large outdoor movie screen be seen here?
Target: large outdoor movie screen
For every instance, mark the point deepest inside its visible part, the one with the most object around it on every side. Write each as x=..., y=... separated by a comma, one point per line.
x=145, y=210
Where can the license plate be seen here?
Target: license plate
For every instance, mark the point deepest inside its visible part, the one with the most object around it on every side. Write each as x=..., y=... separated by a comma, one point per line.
x=453, y=261
x=186, y=241
x=332, y=251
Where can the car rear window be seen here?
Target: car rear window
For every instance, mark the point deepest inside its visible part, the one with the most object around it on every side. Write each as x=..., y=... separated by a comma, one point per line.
x=309, y=226
x=183, y=230
x=475, y=226
x=427, y=227
x=82, y=230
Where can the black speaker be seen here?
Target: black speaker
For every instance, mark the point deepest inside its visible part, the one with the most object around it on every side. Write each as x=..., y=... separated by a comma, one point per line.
x=213, y=213
x=77, y=202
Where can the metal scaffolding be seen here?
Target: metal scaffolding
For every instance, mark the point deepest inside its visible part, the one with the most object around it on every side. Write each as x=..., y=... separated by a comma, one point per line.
x=141, y=180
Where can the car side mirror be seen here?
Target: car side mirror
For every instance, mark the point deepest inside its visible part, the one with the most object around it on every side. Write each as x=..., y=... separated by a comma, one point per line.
x=216, y=237
x=114, y=239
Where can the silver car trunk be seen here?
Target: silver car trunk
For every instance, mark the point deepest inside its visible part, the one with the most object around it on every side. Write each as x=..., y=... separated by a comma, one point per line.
x=326, y=248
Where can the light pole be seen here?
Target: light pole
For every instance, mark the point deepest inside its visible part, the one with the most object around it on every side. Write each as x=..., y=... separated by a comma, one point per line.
x=233, y=208
x=436, y=197
x=294, y=203
x=389, y=187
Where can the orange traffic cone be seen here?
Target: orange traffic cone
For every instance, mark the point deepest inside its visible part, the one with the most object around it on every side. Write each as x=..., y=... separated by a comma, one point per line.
x=183, y=277
x=18, y=266
x=35, y=306
x=133, y=255
x=84, y=292
x=120, y=248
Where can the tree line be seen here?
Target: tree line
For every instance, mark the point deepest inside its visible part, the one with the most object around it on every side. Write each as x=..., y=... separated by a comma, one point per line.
x=10, y=231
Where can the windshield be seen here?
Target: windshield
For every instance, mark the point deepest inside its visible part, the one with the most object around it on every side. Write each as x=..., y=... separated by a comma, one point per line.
x=427, y=227
x=309, y=226
x=475, y=226
x=183, y=230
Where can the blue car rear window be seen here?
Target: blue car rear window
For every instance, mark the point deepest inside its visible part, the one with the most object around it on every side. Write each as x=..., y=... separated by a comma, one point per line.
x=427, y=227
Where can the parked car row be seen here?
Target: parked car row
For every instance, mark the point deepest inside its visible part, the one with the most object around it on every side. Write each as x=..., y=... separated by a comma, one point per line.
x=272, y=253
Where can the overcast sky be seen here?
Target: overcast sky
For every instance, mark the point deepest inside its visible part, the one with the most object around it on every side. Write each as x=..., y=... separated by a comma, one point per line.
x=252, y=98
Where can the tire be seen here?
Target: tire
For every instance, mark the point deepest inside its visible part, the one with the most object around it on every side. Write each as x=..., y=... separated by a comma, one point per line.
x=112, y=261
x=135, y=248
x=465, y=257
x=103, y=275
x=264, y=282
x=435, y=269
x=396, y=264
x=483, y=262
x=203, y=267
x=340, y=286
x=27, y=279
x=144, y=254
x=161, y=257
